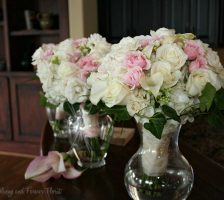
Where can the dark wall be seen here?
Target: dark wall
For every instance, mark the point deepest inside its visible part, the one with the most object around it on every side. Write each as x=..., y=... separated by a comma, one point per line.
x=119, y=18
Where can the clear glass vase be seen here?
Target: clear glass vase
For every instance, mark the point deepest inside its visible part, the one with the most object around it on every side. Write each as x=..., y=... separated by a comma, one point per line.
x=90, y=137
x=58, y=121
x=158, y=170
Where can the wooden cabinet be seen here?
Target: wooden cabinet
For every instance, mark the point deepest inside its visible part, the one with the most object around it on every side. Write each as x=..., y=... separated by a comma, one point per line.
x=5, y=116
x=21, y=116
x=119, y=18
x=28, y=116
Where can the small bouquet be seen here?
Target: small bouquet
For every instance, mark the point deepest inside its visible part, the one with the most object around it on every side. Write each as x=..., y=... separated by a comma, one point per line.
x=64, y=68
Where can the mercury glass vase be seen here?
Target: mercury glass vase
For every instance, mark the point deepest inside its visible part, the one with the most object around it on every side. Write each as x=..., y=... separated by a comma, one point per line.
x=90, y=137
x=158, y=170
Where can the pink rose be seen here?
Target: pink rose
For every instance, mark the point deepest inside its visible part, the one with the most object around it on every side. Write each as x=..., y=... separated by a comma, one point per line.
x=87, y=64
x=132, y=77
x=47, y=54
x=74, y=57
x=136, y=59
x=200, y=62
x=79, y=42
x=193, y=49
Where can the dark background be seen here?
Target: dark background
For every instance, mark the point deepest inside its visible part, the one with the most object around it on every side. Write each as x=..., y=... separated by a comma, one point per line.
x=204, y=18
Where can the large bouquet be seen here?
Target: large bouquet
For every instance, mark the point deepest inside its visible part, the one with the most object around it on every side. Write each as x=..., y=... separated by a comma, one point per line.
x=64, y=68
x=159, y=77
x=162, y=80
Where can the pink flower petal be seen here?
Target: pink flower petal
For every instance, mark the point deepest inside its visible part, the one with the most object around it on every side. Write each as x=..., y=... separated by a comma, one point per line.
x=71, y=173
x=42, y=164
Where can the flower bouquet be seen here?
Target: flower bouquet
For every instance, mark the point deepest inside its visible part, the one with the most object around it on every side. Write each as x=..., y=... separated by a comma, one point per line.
x=162, y=80
x=63, y=70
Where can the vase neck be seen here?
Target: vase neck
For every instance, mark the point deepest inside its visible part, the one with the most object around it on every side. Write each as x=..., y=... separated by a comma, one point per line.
x=175, y=139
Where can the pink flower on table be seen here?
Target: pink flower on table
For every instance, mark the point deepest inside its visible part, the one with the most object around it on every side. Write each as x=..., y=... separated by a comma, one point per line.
x=132, y=77
x=136, y=59
x=79, y=42
x=43, y=168
x=74, y=57
x=193, y=49
x=87, y=64
x=200, y=62
x=47, y=54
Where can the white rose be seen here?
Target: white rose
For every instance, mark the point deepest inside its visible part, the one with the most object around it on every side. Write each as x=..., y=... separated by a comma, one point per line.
x=126, y=44
x=162, y=32
x=98, y=86
x=67, y=69
x=64, y=49
x=46, y=73
x=98, y=45
x=138, y=101
x=76, y=91
x=198, y=79
x=179, y=99
x=213, y=58
x=173, y=54
x=169, y=78
x=54, y=93
x=106, y=88
x=152, y=83
x=115, y=93
x=112, y=64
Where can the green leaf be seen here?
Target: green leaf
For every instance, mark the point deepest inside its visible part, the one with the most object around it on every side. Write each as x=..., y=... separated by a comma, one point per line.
x=92, y=109
x=156, y=124
x=71, y=108
x=206, y=99
x=170, y=112
x=219, y=99
x=45, y=103
x=119, y=113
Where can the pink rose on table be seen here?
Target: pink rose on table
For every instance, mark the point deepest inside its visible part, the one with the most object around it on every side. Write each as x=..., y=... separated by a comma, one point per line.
x=132, y=77
x=193, y=49
x=79, y=42
x=200, y=62
x=136, y=59
x=43, y=168
x=87, y=64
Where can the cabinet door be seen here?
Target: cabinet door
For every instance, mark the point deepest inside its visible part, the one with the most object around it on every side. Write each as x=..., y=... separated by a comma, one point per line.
x=29, y=117
x=5, y=119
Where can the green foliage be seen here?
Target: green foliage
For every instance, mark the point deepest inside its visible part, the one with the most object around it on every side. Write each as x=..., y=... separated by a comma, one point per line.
x=170, y=112
x=71, y=108
x=219, y=99
x=206, y=99
x=156, y=124
x=117, y=113
x=55, y=60
x=45, y=103
x=92, y=109
x=85, y=50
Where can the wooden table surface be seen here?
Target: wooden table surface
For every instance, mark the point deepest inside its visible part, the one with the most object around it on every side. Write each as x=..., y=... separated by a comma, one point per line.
x=105, y=183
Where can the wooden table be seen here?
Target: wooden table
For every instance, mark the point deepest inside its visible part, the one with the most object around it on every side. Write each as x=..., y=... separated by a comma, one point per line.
x=105, y=183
